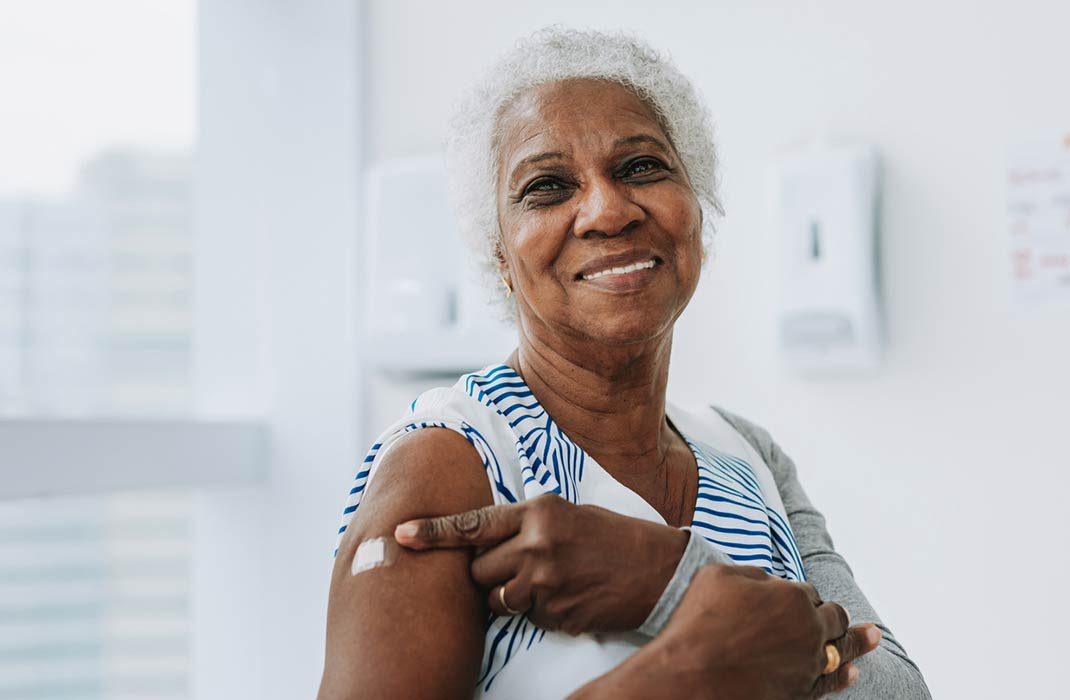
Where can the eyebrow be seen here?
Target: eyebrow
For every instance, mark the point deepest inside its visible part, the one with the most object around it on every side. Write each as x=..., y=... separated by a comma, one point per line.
x=619, y=143
x=642, y=138
x=535, y=158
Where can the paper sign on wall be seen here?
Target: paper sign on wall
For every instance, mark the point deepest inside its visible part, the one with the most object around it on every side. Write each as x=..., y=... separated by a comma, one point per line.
x=1038, y=219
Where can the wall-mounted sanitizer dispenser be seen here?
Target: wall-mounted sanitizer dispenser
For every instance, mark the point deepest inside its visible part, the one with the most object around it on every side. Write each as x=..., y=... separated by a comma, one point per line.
x=826, y=200
x=426, y=308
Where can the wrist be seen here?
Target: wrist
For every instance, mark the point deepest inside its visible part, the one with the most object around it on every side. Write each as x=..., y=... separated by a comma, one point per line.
x=662, y=553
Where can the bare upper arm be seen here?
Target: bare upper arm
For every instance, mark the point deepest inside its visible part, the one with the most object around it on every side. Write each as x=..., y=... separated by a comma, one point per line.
x=414, y=629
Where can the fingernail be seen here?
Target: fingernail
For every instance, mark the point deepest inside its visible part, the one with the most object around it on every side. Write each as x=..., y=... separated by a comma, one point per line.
x=852, y=674
x=873, y=635
x=408, y=531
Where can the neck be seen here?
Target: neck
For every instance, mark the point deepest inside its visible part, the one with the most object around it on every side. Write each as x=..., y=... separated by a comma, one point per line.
x=609, y=401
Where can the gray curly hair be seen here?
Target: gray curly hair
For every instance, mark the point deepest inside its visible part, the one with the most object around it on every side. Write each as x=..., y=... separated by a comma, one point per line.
x=551, y=55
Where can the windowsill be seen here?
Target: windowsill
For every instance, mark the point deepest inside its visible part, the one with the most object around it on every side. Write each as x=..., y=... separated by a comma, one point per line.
x=46, y=457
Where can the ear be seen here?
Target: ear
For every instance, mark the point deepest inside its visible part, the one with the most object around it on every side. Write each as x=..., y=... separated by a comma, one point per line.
x=499, y=255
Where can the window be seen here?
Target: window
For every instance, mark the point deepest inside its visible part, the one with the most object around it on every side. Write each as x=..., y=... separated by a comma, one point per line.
x=161, y=372
x=94, y=597
x=96, y=227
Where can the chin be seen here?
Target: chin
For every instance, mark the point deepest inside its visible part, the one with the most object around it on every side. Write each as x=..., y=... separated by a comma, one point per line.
x=623, y=327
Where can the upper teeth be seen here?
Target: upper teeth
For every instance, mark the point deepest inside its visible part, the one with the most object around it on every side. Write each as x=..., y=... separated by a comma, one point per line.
x=620, y=270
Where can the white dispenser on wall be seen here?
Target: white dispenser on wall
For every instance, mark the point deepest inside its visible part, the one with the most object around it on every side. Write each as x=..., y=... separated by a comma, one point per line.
x=825, y=200
x=426, y=309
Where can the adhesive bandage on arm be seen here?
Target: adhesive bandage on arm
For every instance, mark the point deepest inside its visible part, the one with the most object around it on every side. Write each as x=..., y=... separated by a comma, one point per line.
x=374, y=553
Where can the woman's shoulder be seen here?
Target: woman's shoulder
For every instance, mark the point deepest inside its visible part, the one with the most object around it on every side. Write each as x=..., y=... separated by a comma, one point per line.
x=754, y=434
x=730, y=432
x=474, y=400
x=433, y=461
x=463, y=407
x=719, y=428
x=759, y=440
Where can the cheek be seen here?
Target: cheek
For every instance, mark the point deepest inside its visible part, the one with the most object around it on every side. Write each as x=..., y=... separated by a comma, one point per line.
x=537, y=241
x=681, y=216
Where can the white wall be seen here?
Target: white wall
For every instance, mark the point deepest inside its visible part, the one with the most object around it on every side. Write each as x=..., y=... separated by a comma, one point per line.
x=942, y=475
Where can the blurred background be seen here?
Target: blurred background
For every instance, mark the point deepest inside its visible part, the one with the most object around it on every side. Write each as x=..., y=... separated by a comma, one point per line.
x=222, y=233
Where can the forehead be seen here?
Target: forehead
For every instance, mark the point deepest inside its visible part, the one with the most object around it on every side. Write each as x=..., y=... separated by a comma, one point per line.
x=565, y=115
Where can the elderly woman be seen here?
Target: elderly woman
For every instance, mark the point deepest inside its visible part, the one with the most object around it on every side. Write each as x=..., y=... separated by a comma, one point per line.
x=552, y=526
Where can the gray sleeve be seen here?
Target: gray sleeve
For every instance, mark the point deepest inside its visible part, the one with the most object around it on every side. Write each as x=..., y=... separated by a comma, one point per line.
x=697, y=554
x=886, y=672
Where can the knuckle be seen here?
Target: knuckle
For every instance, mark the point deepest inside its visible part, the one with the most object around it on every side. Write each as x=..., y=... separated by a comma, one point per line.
x=550, y=502
x=541, y=521
x=851, y=644
x=547, y=511
x=800, y=596
x=536, y=529
x=538, y=539
x=434, y=529
x=532, y=542
x=469, y=523
x=542, y=502
x=545, y=577
x=842, y=616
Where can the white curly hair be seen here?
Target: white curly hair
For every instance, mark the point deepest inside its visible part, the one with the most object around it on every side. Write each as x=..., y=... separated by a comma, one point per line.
x=551, y=55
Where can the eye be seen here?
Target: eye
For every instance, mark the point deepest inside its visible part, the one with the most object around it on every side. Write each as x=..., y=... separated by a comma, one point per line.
x=543, y=185
x=545, y=190
x=643, y=166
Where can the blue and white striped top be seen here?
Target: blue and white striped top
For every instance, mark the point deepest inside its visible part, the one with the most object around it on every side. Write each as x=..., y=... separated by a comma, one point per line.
x=526, y=455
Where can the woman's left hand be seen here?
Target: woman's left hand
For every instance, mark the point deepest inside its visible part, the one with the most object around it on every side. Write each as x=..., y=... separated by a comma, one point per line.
x=574, y=568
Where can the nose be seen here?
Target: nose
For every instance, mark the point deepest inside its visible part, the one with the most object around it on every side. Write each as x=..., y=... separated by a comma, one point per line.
x=605, y=209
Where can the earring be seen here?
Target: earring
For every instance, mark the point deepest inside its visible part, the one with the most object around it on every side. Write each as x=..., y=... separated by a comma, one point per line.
x=703, y=255
x=505, y=283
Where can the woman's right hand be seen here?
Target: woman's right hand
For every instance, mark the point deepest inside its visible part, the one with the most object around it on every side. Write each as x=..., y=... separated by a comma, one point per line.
x=740, y=633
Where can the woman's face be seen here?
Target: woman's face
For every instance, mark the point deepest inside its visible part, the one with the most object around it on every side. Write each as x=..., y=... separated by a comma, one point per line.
x=601, y=231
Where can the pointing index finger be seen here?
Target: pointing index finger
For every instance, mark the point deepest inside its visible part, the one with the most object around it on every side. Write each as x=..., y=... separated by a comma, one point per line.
x=482, y=527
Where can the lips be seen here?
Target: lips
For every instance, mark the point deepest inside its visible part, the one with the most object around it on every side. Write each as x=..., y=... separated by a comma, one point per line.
x=621, y=263
x=634, y=267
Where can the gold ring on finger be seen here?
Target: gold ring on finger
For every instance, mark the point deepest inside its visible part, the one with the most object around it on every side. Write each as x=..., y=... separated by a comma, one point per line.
x=832, y=656
x=505, y=606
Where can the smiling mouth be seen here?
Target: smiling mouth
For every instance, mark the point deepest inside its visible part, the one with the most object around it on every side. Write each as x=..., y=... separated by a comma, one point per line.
x=621, y=270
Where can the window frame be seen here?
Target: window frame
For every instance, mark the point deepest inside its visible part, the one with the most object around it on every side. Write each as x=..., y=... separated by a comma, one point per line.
x=56, y=457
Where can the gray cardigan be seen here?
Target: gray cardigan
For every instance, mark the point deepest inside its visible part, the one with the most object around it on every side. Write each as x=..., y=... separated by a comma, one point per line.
x=886, y=672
